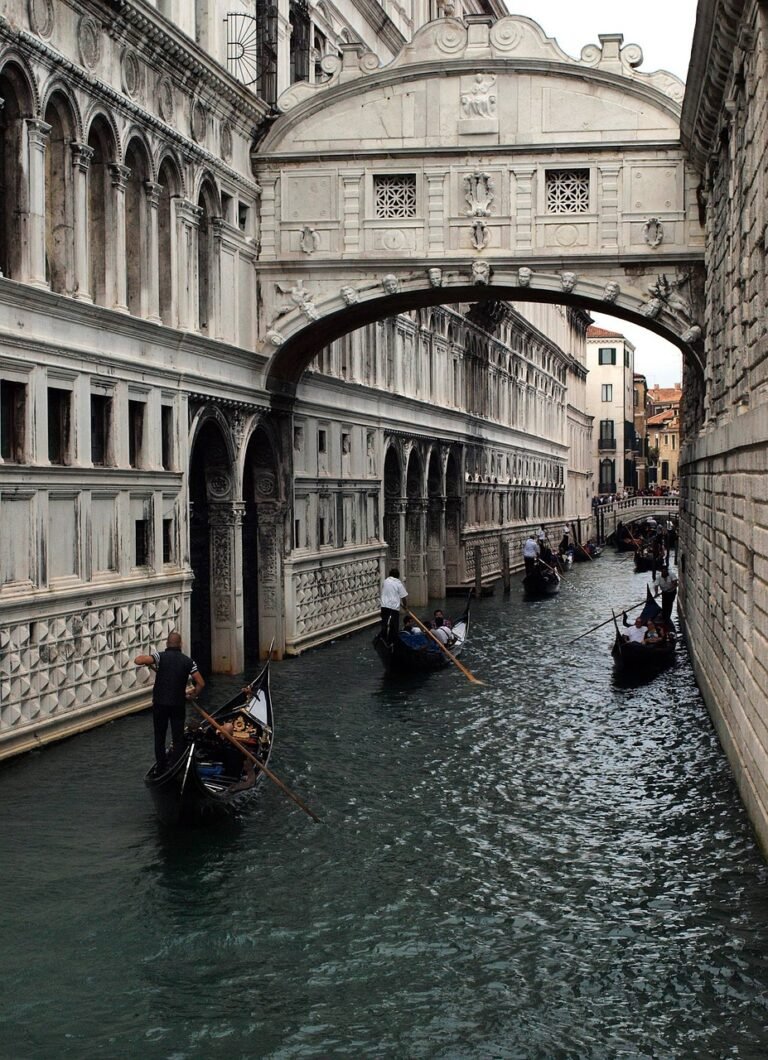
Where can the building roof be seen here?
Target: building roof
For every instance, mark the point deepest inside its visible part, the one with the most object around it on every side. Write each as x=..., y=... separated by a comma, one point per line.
x=658, y=395
x=594, y=332
x=667, y=418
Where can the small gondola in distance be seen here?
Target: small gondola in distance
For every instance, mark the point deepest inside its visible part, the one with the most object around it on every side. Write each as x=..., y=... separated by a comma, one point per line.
x=646, y=658
x=399, y=658
x=644, y=560
x=544, y=581
x=583, y=554
x=211, y=779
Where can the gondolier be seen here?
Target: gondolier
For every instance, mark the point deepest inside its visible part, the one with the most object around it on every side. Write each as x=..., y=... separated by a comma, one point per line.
x=174, y=670
x=666, y=584
x=393, y=595
x=531, y=552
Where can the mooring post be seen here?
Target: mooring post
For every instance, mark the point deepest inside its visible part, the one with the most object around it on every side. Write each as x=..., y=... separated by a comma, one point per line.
x=505, y=578
x=478, y=571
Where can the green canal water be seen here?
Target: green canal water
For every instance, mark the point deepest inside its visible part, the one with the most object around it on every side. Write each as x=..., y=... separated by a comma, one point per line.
x=551, y=865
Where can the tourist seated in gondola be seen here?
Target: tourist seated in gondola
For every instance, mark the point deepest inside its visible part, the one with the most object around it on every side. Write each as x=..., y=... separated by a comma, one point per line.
x=438, y=618
x=414, y=637
x=635, y=631
x=652, y=635
x=444, y=633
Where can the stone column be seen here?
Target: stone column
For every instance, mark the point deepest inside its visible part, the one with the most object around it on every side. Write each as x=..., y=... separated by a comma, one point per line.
x=436, y=546
x=187, y=217
x=215, y=328
x=415, y=527
x=225, y=519
x=271, y=519
x=37, y=142
x=152, y=192
x=120, y=176
x=81, y=160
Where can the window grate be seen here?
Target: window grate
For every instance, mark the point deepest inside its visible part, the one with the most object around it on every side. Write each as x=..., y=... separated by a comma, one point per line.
x=395, y=196
x=567, y=190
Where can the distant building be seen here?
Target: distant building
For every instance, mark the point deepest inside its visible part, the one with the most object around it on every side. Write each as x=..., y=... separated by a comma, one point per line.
x=640, y=418
x=610, y=400
x=663, y=423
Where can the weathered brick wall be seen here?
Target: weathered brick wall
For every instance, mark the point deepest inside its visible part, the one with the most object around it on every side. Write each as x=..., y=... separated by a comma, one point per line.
x=724, y=504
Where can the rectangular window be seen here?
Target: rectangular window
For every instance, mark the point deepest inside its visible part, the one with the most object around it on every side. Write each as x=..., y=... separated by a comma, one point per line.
x=606, y=355
x=346, y=443
x=321, y=535
x=567, y=190
x=166, y=428
x=607, y=429
x=59, y=411
x=322, y=441
x=626, y=358
x=242, y=216
x=13, y=398
x=168, y=549
x=135, y=432
x=141, y=543
x=606, y=392
x=394, y=196
x=101, y=430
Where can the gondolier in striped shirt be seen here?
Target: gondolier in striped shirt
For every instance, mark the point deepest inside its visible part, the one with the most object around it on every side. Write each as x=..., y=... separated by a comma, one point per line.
x=173, y=671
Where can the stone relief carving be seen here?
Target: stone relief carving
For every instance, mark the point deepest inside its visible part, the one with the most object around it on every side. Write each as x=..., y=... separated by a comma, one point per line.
x=309, y=240
x=164, y=94
x=568, y=281
x=481, y=273
x=89, y=41
x=653, y=232
x=300, y=298
x=131, y=70
x=219, y=484
x=223, y=608
x=692, y=335
x=238, y=420
x=226, y=141
x=349, y=295
x=41, y=17
x=435, y=277
x=480, y=100
x=275, y=338
x=390, y=283
x=663, y=296
x=198, y=121
x=524, y=275
x=611, y=292
x=480, y=236
x=479, y=195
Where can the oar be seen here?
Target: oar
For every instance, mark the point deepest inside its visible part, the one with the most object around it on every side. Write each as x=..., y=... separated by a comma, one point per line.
x=275, y=780
x=442, y=647
x=584, y=550
x=624, y=611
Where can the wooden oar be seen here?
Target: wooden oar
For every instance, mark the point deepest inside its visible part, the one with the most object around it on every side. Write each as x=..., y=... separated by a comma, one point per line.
x=247, y=754
x=442, y=647
x=624, y=611
x=584, y=551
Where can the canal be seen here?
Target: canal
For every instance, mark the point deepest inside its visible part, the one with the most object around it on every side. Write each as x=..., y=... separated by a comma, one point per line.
x=548, y=866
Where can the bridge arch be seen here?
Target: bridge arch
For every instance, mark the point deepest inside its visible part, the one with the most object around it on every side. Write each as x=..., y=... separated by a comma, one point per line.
x=483, y=163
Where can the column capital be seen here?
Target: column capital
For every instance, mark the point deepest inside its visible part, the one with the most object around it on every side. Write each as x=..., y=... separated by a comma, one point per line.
x=152, y=192
x=81, y=156
x=188, y=212
x=120, y=175
x=38, y=132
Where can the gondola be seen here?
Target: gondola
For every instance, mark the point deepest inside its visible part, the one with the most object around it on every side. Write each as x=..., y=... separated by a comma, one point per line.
x=544, y=581
x=211, y=779
x=645, y=658
x=644, y=560
x=582, y=554
x=399, y=658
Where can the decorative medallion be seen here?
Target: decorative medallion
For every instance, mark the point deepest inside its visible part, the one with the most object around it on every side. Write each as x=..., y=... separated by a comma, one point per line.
x=165, y=106
x=131, y=73
x=226, y=141
x=199, y=122
x=219, y=484
x=89, y=41
x=266, y=484
x=41, y=17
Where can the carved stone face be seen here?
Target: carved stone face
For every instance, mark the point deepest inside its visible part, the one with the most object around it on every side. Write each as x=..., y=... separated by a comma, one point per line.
x=435, y=277
x=481, y=272
x=524, y=276
x=390, y=284
x=349, y=294
x=568, y=280
x=611, y=292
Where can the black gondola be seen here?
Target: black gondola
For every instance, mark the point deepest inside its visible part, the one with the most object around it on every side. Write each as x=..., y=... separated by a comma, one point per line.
x=399, y=658
x=544, y=581
x=585, y=553
x=211, y=778
x=645, y=560
x=647, y=657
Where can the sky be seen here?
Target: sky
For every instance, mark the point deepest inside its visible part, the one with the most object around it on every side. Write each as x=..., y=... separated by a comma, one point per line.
x=663, y=29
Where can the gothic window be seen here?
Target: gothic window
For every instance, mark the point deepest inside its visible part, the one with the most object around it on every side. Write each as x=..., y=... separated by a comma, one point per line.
x=394, y=196
x=567, y=190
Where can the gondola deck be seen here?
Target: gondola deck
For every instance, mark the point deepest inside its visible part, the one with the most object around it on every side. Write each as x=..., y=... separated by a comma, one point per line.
x=398, y=658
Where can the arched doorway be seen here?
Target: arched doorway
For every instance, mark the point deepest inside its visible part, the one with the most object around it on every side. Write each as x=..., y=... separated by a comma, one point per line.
x=415, y=550
x=262, y=550
x=394, y=509
x=16, y=105
x=59, y=201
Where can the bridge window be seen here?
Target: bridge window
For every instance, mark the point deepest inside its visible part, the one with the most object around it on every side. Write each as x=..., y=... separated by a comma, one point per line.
x=567, y=190
x=606, y=355
x=394, y=196
x=606, y=392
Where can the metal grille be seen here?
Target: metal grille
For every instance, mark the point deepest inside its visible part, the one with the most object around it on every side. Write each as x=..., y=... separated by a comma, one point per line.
x=252, y=49
x=567, y=190
x=395, y=196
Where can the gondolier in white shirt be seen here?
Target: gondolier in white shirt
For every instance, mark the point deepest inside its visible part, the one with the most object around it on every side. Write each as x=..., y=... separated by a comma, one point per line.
x=393, y=595
x=666, y=584
x=531, y=553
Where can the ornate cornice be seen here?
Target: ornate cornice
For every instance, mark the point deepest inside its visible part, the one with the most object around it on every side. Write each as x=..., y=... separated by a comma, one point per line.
x=715, y=41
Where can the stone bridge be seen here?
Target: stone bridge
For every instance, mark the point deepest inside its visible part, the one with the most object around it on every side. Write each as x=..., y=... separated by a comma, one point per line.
x=483, y=163
x=607, y=516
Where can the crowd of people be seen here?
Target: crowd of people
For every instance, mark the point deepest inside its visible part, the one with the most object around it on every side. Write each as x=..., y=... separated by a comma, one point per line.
x=601, y=499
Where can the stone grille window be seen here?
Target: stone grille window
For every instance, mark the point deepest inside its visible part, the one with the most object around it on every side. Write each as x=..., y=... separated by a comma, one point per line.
x=567, y=190
x=395, y=196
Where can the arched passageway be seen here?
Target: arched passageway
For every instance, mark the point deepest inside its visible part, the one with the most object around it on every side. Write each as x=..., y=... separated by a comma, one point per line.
x=394, y=510
x=262, y=552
